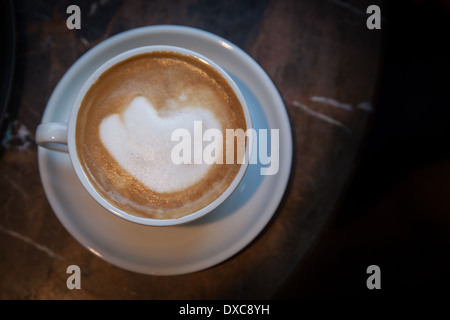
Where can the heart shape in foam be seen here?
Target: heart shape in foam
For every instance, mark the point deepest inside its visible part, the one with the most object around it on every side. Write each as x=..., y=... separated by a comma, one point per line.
x=139, y=139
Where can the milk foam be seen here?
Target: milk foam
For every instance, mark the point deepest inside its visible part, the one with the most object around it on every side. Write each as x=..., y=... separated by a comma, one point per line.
x=139, y=140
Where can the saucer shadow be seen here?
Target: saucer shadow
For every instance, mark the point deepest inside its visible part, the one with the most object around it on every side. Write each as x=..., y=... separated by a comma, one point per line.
x=252, y=179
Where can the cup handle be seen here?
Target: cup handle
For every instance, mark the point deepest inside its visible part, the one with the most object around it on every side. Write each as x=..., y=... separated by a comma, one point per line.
x=53, y=136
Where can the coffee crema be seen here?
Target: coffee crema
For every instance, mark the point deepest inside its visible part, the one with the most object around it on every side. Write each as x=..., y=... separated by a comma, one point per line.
x=123, y=133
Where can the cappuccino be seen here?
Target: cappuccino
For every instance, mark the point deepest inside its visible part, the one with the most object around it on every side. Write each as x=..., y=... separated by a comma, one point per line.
x=124, y=127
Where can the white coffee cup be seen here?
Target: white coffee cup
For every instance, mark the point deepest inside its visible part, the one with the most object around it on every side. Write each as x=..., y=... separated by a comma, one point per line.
x=60, y=136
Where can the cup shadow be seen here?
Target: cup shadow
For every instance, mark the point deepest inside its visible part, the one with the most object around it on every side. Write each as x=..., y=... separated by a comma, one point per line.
x=252, y=178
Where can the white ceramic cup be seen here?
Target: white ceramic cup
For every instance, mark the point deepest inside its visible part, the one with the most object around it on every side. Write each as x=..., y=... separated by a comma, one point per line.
x=60, y=136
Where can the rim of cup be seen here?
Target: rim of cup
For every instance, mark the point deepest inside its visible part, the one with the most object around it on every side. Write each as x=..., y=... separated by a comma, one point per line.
x=82, y=176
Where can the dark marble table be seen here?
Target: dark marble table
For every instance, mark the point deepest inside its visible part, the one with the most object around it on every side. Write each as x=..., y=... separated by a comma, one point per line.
x=320, y=55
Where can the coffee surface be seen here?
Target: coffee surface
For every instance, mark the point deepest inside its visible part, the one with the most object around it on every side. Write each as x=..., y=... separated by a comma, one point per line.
x=124, y=127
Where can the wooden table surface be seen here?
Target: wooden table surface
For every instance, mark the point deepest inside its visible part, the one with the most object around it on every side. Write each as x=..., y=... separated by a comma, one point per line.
x=320, y=55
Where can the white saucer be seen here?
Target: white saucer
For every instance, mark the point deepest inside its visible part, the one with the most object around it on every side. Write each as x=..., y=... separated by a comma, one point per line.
x=190, y=247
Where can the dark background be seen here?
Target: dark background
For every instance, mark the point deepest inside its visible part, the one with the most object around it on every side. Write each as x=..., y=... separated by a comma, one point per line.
x=396, y=212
